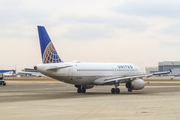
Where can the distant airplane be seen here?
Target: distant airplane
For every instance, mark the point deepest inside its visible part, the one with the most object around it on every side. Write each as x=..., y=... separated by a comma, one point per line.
x=5, y=71
x=86, y=75
x=6, y=74
x=30, y=71
x=37, y=74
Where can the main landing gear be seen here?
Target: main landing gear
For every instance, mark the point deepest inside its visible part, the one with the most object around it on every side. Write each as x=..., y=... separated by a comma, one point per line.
x=129, y=90
x=81, y=90
x=129, y=86
x=115, y=90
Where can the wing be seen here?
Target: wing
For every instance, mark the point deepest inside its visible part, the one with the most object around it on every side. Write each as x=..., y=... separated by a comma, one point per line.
x=125, y=79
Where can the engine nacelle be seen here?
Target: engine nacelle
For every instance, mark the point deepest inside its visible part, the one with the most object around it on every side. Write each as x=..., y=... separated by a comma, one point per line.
x=136, y=84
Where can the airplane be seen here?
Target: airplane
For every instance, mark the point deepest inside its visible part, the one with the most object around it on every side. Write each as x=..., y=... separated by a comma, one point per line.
x=28, y=71
x=37, y=74
x=85, y=75
x=5, y=71
x=8, y=73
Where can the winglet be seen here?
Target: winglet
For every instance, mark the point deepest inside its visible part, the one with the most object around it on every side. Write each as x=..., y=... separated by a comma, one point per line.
x=170, y=70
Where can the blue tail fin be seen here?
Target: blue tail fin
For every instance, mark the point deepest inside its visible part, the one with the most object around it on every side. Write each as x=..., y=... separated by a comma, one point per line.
x=48, y=52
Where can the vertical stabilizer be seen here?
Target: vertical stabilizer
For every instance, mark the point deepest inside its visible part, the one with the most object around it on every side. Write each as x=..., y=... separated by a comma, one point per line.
x=48, y=52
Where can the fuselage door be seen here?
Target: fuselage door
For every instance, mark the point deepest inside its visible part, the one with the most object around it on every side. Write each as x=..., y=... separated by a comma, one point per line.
x=115, y=71
x=70, y=71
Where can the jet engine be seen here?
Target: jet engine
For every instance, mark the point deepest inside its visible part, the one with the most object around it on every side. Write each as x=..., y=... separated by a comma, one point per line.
x=137, y=84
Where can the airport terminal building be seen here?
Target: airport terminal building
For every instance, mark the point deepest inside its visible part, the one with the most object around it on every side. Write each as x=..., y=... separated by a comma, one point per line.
x=174, y=66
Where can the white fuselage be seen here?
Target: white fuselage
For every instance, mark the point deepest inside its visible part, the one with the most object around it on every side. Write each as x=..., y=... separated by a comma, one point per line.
x=86, y=73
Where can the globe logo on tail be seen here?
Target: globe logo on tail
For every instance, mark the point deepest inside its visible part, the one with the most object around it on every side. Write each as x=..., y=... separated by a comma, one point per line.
x=50, y=55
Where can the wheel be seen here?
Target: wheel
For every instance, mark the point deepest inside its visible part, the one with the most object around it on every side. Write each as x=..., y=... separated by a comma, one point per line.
x=129, y=90
x=4, y=84
x=117, y=90
x=113, y=90
x=83, y=90
x=79, y=90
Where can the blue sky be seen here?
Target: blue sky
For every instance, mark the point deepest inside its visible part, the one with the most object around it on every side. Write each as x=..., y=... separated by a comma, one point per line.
x=134, y=31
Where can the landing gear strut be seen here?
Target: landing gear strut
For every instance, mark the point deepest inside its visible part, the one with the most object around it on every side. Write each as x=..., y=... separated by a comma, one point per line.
x=129, y=90
x=129, y=86
x=81, y=90
x=115, y=90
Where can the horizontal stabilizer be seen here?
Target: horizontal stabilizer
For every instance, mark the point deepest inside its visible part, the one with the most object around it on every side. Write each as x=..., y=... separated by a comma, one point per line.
x=61, y=67
x=161, y=73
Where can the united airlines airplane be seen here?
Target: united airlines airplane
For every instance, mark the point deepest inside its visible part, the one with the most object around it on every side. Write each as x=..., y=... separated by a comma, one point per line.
x=86, y=75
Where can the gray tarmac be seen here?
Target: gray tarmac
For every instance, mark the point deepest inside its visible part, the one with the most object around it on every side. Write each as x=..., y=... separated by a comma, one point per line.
x=52, y=100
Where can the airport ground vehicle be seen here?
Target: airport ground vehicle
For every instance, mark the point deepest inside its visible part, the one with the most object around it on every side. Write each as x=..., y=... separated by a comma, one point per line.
x=2, y=82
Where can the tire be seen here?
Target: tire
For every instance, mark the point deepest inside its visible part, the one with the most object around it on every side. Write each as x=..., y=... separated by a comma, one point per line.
x=113, y=91
x=117, y=90
x=79, y=90
x=129, y=90
x=83, y=90
x=4, y=84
